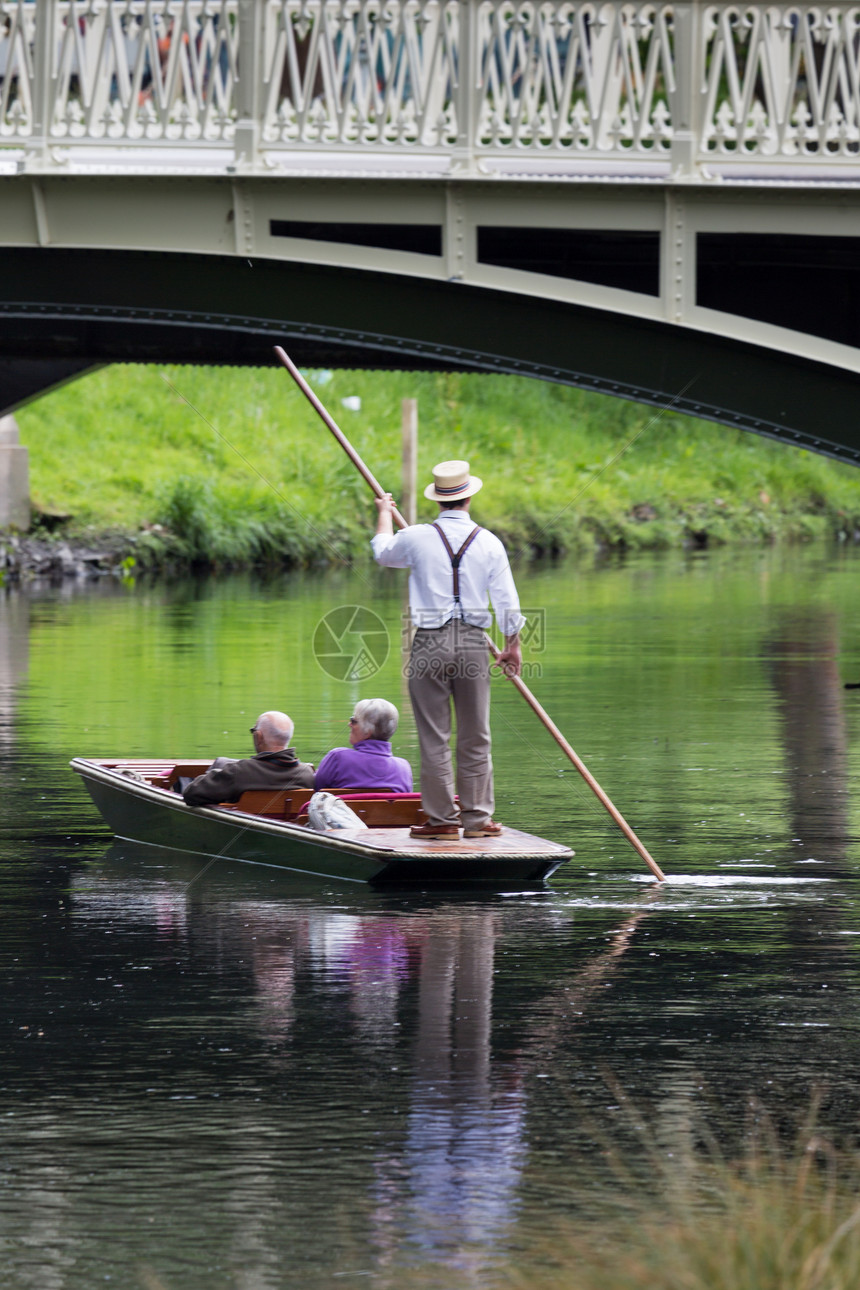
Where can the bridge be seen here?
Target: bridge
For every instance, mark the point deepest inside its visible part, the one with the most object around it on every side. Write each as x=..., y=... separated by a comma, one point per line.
x=655, y=200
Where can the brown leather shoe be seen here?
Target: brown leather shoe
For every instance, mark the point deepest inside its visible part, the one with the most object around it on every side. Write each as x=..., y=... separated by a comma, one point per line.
x=488, y=830
x=434, y=831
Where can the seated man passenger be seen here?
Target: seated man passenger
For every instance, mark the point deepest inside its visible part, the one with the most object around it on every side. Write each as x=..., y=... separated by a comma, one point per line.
x=368, y=763
x=273, y=766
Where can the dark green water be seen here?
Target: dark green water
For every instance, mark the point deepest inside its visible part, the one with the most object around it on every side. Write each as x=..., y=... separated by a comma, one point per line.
x=240, y=1079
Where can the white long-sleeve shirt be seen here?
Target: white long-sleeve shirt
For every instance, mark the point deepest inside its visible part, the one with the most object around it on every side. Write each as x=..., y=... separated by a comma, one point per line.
x=485, y=574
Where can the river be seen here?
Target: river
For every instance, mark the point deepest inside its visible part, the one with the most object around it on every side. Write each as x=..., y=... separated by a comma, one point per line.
x=240, y=1078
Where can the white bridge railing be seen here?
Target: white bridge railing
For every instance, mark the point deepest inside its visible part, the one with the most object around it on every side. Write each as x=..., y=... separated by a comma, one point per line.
x=684, y=84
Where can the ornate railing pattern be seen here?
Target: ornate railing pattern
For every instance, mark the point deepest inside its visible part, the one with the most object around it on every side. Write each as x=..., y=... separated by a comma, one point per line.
x=782, y=80
x=586, y=77
x=355, y=72
x=120, y=71
x=17, y=28
x=570, y=78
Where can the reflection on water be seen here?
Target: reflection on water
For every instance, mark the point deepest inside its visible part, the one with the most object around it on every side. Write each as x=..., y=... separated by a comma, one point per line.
x=14, y=651
x=811, y=696
x=231, y=1077
x=412, y=987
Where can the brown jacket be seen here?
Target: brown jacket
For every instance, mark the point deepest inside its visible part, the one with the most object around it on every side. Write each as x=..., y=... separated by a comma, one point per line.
x=227, y=782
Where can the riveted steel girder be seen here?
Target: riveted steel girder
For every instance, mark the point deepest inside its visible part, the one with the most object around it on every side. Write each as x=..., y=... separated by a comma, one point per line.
x=85, y=307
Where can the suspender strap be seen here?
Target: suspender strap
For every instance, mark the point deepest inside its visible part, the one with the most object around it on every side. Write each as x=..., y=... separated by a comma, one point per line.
x=455, y=559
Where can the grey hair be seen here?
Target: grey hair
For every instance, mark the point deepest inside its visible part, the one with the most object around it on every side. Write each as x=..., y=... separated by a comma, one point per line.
x=276, y=729
x=376, y=718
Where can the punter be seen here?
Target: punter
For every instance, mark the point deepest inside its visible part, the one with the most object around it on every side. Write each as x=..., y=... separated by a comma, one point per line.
x=456, y=570
x=273, y=766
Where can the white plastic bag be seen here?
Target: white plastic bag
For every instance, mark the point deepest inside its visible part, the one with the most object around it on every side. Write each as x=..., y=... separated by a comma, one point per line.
x=325, y=811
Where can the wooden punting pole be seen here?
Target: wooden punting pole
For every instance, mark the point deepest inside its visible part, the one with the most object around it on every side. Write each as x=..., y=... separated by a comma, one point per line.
x=516, y=681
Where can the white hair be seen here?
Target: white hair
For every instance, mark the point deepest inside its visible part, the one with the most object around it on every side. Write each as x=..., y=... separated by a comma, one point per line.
x=276, y=729
x=376, y=718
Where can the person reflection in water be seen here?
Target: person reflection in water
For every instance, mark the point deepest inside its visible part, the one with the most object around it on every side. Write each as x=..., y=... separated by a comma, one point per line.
x=368, y=762
x=274, y=766
x=451, y=1187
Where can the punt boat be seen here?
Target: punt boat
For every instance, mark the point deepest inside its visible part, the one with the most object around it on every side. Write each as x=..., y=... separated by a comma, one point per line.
x=138, y=801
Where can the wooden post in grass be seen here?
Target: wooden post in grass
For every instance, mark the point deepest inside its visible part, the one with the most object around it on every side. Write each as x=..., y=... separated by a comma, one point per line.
x=409, y=477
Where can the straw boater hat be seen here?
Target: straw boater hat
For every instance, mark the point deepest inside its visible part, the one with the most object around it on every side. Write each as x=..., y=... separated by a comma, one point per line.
x=452, y=482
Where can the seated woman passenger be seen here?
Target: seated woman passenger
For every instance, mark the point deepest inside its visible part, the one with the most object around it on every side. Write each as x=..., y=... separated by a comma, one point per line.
x=368, y=763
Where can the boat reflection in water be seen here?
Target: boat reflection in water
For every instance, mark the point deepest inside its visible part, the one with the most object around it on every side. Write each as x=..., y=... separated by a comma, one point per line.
x=383, y=1003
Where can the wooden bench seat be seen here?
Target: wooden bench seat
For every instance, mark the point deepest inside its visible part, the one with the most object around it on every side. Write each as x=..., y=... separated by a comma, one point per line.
x=388, y=815
x=381, y=810
x=162, y=773
x=376, y=810
x=285, y=803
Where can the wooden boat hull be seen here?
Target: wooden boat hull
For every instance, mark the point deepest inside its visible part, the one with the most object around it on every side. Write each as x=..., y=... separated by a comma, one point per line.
x=144, y=813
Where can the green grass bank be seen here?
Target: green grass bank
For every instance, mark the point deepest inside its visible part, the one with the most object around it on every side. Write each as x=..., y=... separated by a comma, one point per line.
x=228, y=467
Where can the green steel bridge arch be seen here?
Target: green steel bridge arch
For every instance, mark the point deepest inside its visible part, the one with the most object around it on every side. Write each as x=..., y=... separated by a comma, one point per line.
x=659, y=201
x=65, y=310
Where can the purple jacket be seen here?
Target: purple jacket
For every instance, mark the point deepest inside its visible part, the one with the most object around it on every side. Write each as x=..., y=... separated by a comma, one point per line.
x=367, y=765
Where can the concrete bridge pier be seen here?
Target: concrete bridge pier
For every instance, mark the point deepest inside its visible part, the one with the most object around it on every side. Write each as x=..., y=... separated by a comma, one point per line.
x=14, y=478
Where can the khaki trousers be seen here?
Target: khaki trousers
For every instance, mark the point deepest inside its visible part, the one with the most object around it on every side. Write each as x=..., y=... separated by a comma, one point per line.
x=452, y=662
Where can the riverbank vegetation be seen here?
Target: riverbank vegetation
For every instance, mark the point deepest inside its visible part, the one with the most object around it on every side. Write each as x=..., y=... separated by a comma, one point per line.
x=778, y=1217
x=229, y=467
x=776, y=1220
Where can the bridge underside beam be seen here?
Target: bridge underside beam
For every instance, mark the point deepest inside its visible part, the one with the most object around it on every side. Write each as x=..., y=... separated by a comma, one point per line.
x=82, y=307
x=23, y=379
